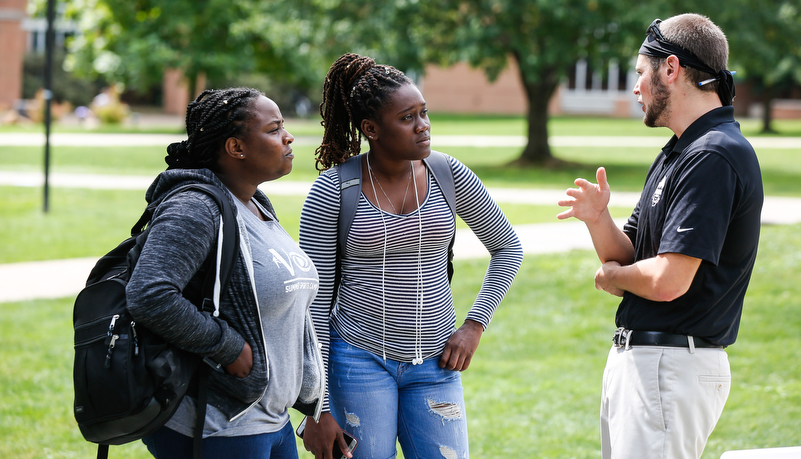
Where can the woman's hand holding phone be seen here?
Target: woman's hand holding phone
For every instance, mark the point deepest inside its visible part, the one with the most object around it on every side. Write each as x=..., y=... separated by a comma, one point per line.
x=319, y=437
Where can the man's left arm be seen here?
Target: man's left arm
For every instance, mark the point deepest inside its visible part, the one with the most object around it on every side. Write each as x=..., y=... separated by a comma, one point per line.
x=664, y=277
x=694, y=230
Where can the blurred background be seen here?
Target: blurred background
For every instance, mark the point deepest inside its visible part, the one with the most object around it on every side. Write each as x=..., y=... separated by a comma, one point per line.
x=115, y=61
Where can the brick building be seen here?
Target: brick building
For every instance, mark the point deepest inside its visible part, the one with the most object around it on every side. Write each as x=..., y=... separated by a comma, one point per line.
x=12, y=49
x=462, y=89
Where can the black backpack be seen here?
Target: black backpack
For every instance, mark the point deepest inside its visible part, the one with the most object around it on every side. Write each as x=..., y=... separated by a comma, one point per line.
x=128, y=381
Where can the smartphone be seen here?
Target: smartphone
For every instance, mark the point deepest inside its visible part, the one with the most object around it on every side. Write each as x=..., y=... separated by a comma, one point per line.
x=337, y=453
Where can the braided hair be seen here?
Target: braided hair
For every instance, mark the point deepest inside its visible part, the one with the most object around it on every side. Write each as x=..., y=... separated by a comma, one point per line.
x=211, y=119
x=356, y=88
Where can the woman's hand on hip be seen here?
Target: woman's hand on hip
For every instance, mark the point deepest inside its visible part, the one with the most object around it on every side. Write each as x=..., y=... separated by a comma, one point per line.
x=461, y=346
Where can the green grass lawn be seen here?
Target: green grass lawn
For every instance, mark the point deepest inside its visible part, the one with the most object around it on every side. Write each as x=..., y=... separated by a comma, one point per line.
x=532, y=390
x=454, y=124
x=626, y=167
x=534, y=387
x=84, y=223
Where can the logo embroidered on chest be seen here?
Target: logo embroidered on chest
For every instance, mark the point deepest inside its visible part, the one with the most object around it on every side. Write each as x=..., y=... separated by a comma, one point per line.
x=658, y=193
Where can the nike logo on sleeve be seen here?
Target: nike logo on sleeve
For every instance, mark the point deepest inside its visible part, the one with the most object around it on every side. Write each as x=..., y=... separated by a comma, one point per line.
x=682, y=230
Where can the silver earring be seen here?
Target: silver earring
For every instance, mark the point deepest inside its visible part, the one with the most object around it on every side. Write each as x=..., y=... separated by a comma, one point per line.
x=241, y=155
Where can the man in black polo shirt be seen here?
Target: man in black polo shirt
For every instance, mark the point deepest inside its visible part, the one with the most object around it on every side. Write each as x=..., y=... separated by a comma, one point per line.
x=683, y=260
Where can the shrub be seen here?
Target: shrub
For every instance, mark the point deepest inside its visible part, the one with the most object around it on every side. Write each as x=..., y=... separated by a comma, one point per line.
x=108, y=108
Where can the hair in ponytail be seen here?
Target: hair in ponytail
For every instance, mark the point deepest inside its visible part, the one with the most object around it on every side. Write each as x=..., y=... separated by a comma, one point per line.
x=211, y=119
x=356, y=88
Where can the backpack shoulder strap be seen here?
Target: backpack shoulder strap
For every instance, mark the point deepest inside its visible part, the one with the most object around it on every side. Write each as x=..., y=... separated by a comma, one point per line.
x=226, y=256
x=227, y=251
x=441, y=170
x=350, y=187
x=350, y=181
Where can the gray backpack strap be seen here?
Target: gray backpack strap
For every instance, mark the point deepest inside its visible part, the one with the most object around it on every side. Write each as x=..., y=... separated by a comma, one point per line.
x=350, y=181
x=438, y=164
x=440, y=168
x=350, y=188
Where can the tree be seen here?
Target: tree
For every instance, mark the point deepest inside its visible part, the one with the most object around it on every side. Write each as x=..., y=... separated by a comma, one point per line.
x=545, y=38
x=135, y=41
x=763, y=43
x=292, y=42
x=313, y=33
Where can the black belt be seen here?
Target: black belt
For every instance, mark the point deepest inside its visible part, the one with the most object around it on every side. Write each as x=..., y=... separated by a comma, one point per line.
x=627, y=338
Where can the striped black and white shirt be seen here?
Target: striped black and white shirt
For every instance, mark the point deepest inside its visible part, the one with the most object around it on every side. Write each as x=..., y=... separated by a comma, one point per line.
x=401, y=306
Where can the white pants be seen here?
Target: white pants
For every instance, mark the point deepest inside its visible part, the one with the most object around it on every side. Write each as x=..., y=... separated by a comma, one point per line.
x=661, y=402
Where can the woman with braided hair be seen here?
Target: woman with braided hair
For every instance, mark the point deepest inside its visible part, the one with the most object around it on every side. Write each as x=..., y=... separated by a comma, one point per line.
x=260, y=335
x=384, y=310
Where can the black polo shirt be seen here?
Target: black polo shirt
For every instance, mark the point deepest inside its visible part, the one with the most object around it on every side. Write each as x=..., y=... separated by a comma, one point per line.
x=702, y=198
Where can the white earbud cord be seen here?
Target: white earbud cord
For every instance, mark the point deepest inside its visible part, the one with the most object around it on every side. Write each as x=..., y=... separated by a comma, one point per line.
x=418, y=348
x=383, y=266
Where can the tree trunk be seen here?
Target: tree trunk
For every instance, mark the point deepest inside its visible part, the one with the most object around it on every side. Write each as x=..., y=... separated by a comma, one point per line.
x=767, y=113
x=191, y=86
x=538, y=93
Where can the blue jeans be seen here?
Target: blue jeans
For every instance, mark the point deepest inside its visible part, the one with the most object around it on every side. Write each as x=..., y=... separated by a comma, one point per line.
x=422, y=406
x=166, y=443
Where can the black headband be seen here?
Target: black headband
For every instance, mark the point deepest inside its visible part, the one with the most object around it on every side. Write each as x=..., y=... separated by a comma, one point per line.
x=655, y=45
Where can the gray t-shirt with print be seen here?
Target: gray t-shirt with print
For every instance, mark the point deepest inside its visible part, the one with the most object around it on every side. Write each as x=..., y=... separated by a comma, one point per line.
x=286, y=283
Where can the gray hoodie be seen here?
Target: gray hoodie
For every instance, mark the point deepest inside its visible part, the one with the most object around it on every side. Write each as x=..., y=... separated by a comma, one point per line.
x=183, y=233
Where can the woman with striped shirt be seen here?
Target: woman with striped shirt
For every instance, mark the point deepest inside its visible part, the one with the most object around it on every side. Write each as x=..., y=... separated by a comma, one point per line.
x=387, y=326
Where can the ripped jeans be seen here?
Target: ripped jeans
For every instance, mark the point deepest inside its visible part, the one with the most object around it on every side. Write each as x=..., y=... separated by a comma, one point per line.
x=422, y=406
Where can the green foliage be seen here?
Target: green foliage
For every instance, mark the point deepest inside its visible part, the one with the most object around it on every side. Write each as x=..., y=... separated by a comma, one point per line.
x=763, y=42
x=295, y=42
x=544, y=39
x=66, y=86
x=134, y=42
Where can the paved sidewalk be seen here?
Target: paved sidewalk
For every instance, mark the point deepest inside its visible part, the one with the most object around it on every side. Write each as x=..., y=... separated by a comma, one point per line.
x=777, y=210
x=26, y=281
x=162, y=140
x=23, y=281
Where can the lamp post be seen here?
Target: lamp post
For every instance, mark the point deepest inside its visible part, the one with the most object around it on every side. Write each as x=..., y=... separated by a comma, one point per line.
x=48, y=96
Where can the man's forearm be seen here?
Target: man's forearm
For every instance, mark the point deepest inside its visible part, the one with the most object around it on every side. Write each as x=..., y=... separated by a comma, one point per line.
x=661, y=278
x=610, y=242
